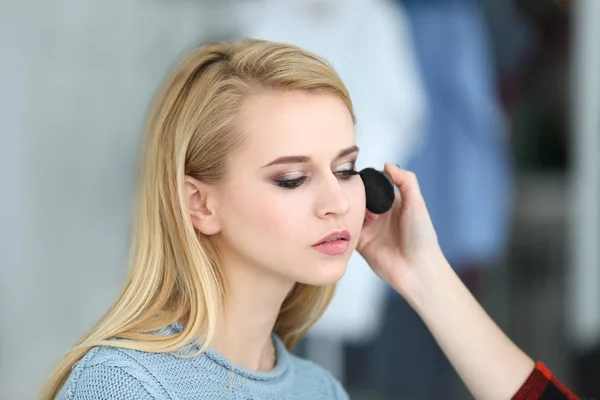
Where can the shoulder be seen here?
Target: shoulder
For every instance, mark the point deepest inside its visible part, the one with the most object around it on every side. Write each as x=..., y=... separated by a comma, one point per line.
x=108, y=371
x=312, y=375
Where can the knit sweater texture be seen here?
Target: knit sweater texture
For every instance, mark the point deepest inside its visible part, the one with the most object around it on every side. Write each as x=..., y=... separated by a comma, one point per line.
x=110, y=373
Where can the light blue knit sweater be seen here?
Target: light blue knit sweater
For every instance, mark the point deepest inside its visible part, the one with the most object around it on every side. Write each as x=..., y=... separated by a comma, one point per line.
x=108, y=373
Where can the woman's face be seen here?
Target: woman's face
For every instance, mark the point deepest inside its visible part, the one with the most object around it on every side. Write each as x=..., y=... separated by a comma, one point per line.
x=286, y=189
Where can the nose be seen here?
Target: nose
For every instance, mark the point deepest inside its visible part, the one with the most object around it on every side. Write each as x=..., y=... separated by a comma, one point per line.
x=331, y=198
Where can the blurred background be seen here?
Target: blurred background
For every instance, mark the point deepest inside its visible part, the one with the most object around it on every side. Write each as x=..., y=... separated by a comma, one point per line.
x=495, y=104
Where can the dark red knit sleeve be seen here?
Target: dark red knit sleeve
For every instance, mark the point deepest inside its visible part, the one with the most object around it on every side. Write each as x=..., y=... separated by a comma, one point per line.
x=543, y=385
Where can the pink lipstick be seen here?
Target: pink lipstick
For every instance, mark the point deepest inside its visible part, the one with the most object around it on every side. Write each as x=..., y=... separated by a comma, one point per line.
x=336, y=242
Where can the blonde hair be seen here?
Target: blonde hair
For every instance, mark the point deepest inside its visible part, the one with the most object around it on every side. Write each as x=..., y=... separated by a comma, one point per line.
x=173, y=270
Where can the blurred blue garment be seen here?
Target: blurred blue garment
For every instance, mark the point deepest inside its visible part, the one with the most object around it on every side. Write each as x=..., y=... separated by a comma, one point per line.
x=464, y=165
x=465, y=173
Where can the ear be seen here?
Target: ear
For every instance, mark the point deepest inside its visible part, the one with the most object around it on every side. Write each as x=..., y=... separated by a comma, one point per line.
x=200, y=199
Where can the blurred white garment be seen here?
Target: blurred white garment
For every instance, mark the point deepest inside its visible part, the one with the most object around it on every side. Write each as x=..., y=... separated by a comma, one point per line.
x=368, y=43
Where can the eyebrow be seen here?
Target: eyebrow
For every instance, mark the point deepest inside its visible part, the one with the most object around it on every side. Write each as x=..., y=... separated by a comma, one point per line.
x=305, y=159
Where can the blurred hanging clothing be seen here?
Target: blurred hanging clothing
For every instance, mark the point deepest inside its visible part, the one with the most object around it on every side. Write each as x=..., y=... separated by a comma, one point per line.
x=464, y=171
x=367, y=43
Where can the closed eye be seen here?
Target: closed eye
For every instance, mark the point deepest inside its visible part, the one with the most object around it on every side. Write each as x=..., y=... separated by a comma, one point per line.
x=296, y=182
x=290, y=183
x=346, y=174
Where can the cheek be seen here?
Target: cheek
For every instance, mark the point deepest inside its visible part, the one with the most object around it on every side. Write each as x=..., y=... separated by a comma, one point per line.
x=356, y=197
x=264, y=214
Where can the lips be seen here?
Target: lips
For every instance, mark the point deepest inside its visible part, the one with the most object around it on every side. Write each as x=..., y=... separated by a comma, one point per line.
x=334, y=236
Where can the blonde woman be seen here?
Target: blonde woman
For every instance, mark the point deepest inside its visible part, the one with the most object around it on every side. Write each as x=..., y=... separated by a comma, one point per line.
x=248, y=211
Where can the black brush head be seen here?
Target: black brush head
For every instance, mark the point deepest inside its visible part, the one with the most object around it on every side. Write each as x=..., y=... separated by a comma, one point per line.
x=378, y=190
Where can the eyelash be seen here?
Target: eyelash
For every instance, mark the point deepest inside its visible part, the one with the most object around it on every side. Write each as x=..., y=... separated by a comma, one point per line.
x=294, y=183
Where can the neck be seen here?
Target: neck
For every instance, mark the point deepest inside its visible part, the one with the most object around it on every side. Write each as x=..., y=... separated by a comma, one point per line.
x=246, y=322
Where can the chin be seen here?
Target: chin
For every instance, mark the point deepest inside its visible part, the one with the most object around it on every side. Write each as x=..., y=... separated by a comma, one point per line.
x=322, y=274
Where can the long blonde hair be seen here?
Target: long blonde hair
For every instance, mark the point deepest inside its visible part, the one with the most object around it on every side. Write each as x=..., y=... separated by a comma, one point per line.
x=173, y=270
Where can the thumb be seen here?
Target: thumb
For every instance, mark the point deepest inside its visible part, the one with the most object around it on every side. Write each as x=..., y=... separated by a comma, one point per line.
x=407, y=183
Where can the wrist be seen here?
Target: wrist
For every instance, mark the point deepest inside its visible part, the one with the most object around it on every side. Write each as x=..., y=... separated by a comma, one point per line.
x=427, y=280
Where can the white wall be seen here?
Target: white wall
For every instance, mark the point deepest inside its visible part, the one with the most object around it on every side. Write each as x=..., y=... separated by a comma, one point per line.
x=584, y=266
x=76, y=78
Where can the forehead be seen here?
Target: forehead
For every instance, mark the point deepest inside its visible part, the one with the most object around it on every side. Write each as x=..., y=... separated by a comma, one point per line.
x=294, y=123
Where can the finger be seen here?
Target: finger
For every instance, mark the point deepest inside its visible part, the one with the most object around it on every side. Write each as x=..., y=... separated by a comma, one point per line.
x=406, y=182
x=369, y=216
